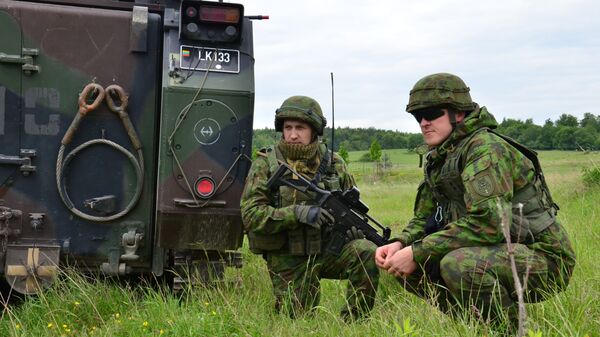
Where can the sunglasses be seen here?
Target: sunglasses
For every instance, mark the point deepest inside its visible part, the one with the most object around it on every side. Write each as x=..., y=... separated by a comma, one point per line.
x=428, y=114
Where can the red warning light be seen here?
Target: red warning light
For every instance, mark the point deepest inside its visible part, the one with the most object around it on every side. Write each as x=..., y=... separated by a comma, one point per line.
x=205, y=187
x=191, y=12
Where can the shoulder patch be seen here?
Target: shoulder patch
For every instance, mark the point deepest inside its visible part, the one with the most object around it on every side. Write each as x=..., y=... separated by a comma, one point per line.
x=483, y=185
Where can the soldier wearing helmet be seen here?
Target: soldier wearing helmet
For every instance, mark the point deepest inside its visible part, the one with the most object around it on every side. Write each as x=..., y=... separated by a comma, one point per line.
x=290, y=230
x=477, y=184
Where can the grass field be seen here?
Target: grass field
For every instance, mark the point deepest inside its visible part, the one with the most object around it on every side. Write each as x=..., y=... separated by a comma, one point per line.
x=81, y=307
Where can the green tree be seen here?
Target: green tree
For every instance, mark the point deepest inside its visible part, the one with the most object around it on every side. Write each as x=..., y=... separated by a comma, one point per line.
x=344, y=154
x=585, y=138
x=565, y=138
x=545, y=140
x=590, y=121
x=375, y=150
x=567, y=120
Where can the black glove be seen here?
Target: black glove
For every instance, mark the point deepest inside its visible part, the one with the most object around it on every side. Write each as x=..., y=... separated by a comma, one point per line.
x=313, y=216
x=354, y=234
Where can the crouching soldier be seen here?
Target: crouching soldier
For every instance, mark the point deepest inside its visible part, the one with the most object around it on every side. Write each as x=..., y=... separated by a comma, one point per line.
x=290, y=230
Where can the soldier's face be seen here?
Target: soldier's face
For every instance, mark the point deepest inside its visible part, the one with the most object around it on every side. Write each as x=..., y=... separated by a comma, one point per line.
x=297, y=132
x=436, y=130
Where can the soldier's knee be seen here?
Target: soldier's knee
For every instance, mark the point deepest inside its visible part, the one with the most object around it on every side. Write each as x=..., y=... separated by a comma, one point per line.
x=461, y=270
x=363, y=248
x=363, y=254
x=451, y=268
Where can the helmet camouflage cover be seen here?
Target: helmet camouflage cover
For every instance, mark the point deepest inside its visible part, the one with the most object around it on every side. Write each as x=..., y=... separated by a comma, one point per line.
x=441, y=89
x=303, y=108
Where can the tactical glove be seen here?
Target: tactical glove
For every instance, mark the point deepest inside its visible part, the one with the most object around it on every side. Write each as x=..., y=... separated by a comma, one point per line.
x=313, y=216
x=354, y=234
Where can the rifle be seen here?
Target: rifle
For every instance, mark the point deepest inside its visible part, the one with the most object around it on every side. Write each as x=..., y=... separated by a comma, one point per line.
x=346, y=207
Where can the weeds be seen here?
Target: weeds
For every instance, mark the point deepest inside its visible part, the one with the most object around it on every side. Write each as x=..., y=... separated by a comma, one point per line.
x=79, y=306
x=591, y=176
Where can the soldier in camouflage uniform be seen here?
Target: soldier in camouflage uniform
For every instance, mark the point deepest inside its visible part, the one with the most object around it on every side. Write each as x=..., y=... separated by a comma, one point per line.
x=289, y=230
x=477, y=183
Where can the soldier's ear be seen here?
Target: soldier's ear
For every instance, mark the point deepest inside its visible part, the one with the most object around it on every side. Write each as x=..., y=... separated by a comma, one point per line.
x=460, y=116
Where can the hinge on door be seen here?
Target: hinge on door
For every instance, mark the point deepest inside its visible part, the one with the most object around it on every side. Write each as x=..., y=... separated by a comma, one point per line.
x=26, y=60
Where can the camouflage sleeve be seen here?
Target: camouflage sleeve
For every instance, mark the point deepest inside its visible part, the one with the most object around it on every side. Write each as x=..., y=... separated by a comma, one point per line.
x=488, y=180
x=258, y=214
x=424, y=207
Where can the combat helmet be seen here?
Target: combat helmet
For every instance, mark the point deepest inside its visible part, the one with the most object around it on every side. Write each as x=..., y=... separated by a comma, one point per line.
x=441, y=89
x=303, y=108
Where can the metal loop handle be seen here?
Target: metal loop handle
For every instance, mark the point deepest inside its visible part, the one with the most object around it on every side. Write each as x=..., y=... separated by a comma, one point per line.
x=110, y=101
x=87, y=92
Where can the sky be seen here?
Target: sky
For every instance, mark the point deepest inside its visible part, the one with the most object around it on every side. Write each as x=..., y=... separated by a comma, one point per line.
x=521, y=58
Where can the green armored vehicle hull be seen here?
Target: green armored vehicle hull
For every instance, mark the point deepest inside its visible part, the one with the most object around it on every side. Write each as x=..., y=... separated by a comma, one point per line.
x=125, y=136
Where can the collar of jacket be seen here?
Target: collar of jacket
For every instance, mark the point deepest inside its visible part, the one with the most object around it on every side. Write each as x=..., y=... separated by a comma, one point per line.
x=477, y=119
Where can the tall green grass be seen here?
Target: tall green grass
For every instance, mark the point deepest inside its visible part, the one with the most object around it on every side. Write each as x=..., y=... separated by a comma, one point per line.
x=79, y=306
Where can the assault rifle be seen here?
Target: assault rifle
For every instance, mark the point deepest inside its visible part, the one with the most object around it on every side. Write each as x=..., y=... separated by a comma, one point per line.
x=346, y=207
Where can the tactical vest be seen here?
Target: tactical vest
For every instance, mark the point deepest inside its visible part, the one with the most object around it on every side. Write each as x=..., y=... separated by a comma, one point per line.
x=303, y=240
x=532, y=207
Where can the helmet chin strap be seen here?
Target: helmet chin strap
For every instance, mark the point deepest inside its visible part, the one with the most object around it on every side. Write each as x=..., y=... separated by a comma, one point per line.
x=452, y=117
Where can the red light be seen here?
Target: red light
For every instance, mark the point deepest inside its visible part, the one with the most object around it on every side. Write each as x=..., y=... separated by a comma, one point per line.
x=205, y=187
x=219, y=14
x=191, y=12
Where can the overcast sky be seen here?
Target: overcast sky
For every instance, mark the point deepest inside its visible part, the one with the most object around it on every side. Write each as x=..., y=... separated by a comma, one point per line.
x=521, y=58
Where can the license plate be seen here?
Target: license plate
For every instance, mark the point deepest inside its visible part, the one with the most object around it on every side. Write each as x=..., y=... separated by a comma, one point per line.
x=212, y=59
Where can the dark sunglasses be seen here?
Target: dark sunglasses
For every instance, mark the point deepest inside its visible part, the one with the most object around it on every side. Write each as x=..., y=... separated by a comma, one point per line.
x=428, y=114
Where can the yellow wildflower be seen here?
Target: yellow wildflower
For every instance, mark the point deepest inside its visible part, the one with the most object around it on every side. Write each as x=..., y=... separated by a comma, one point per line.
x=18, y=326
x=145, y=324
x=50, y=325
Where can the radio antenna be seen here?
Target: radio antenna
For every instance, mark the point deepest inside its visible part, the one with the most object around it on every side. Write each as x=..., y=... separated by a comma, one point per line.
x=332, y=122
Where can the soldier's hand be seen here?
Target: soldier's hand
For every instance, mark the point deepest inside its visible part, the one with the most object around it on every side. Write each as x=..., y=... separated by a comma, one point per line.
x=384, y=252
x=402, y=263
x=354, y=234
x=313, y=216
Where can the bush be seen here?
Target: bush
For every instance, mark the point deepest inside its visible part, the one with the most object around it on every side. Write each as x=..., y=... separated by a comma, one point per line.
x=591, y=176
x=366, y=157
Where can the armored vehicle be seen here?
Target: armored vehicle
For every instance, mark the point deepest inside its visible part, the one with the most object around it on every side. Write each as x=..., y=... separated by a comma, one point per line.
x=125, y=135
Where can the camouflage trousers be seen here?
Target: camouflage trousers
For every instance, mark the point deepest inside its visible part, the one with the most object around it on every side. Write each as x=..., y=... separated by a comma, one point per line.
x=480, y=280
x=296, y=279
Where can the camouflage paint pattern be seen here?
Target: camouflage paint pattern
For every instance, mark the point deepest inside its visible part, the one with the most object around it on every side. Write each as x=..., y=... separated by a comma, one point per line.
x=469, y=251
x=105, y=42
x=77, y=46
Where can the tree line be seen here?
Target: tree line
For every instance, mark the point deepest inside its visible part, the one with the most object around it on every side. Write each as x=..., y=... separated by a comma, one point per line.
x=566, y=133
x=351, y=139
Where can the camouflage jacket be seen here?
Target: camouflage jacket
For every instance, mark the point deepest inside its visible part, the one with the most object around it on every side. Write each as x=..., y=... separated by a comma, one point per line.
x=258, y=204
x=492, y=173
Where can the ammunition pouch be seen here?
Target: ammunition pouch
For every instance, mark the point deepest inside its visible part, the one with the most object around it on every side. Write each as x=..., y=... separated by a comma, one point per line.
x=531, y=213
x=300, y=241
x=260, y=243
